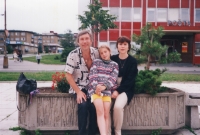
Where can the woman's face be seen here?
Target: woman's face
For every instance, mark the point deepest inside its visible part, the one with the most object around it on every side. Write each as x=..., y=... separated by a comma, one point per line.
x=123, y=48
x=104, y=53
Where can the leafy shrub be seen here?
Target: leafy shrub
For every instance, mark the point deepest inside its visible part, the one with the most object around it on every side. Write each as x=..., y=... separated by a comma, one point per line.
x=163, y=60
x=173, y=57
x=148, y=81
x=60, y=82
x=65, y=53
x=141, y=59
x=56, y=58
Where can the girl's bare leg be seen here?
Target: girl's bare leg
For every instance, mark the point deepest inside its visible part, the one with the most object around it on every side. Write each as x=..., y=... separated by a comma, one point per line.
x=107, y=114
x=98, y=103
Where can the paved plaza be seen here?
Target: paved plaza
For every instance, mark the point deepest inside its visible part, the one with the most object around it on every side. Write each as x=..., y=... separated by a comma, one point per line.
x=8, y=110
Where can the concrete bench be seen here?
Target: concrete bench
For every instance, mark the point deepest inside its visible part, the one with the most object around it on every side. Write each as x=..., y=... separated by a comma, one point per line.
x=191, y=112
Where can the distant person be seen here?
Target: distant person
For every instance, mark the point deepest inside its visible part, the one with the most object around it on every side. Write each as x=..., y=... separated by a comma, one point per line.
x=38, y=57
x=20, y=56
x=15, y=56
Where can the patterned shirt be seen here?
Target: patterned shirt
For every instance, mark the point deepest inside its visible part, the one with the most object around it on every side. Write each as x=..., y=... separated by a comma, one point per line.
x=76, y=66
x=103, y=73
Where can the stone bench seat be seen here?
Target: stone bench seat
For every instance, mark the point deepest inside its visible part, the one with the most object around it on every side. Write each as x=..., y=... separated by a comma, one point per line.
x=145, y=113
x=192, y=113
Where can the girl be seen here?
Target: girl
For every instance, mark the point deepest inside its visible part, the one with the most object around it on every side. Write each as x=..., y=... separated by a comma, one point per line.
x=126, y=80
x=102, y=79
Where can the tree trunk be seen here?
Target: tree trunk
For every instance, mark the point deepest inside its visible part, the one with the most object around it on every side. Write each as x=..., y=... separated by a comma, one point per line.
x=96, y=39
x=96, y=36
x=148, y=62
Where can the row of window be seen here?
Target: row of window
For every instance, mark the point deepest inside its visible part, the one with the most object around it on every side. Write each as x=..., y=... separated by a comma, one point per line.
x=17, y=33
x=153, y=14
x=18, y=39
x=52, y=37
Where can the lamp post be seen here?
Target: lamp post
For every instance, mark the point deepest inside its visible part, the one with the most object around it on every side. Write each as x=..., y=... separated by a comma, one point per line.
x=5, y=61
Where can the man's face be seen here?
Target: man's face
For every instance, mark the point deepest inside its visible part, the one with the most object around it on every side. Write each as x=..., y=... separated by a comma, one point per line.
x=85, y=41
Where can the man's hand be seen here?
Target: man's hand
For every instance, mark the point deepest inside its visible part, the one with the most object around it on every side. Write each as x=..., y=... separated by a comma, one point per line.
x=80, y=97
x=114, y=94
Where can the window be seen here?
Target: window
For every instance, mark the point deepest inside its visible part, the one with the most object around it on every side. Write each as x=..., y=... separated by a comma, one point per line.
x=162, y=15
x=22, y=39
x=113, y=48
x=185, y=16
x=11, y=39
x=23, y=33
x=173, y=14
x=126, y=14
x=115, y=12
x=16, y=33
x=136, y=14
x=17, y=39
x=52, y=37
x=1, y=34
x=151, y=15
x=197, y=48
x=197, y=15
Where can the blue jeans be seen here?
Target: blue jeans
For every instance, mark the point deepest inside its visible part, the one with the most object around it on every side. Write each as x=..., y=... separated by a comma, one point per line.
x=85, y=108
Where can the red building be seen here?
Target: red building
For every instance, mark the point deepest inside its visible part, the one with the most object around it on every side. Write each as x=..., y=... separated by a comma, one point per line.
x=179, y=18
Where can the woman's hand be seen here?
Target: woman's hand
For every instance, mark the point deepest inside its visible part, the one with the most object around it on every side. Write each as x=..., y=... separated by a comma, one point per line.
x=114, y=94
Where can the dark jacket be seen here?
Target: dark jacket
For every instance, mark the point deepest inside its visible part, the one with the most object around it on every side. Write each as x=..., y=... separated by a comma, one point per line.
x=130, y=72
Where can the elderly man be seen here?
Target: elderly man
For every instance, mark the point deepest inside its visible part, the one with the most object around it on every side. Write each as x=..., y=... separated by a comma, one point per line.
x=79, y=62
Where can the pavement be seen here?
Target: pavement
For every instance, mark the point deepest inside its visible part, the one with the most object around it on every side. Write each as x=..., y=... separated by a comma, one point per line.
x=8, y=110
x=26, y=66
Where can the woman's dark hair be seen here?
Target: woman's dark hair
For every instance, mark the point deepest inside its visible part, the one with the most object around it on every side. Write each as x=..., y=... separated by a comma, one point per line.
x=123, y=39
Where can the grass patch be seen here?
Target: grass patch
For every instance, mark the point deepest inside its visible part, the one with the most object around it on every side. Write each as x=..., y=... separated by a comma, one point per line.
x=46, y=76
x=180, y=77
x=13, y=76
x=46, y=59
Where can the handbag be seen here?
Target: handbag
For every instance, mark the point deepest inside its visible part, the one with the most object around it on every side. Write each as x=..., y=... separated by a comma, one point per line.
x=24, y=85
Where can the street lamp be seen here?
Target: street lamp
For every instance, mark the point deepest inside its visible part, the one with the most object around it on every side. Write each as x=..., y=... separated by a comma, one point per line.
x=5, y=61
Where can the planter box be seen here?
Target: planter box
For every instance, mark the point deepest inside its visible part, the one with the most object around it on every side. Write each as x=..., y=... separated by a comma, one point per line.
x=58, y=111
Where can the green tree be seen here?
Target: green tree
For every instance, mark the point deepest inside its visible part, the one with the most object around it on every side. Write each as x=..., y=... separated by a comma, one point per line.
x=9, y=49
x=97, y=19
x=40, y=48
x=150, y=42
x=46, y=49
x=68, y=39
x=67, y=42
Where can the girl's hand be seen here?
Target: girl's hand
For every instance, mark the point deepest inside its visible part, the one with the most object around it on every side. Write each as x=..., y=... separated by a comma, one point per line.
x=114, y=94
x=100, y=87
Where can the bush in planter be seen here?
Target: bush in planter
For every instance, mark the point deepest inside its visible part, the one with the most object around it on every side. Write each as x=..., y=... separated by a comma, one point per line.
x=60, y=82
x=147, y=81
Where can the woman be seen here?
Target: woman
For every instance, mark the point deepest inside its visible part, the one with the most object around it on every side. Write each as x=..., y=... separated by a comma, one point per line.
x=15, y=56
x=38, y=57
x=102, y=80
x=126, y=81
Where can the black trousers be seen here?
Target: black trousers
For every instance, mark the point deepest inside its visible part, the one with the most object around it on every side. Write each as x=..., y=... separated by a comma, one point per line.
x=38, y=60
x=85, y=109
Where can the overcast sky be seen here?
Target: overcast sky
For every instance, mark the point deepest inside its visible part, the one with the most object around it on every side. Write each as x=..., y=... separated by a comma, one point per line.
x=41, y=16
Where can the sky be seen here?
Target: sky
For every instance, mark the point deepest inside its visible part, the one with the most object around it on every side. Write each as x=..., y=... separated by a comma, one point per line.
x=41, y=16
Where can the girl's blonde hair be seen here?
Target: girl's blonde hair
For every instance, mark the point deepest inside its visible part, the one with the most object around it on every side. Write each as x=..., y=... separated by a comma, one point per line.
x=104, y=46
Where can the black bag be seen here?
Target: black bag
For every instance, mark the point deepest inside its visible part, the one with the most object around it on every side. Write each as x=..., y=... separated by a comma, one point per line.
x=25, y=85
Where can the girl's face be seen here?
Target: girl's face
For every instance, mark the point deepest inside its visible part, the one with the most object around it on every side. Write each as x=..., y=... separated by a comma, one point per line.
x=123, y=48
x=104, y=53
